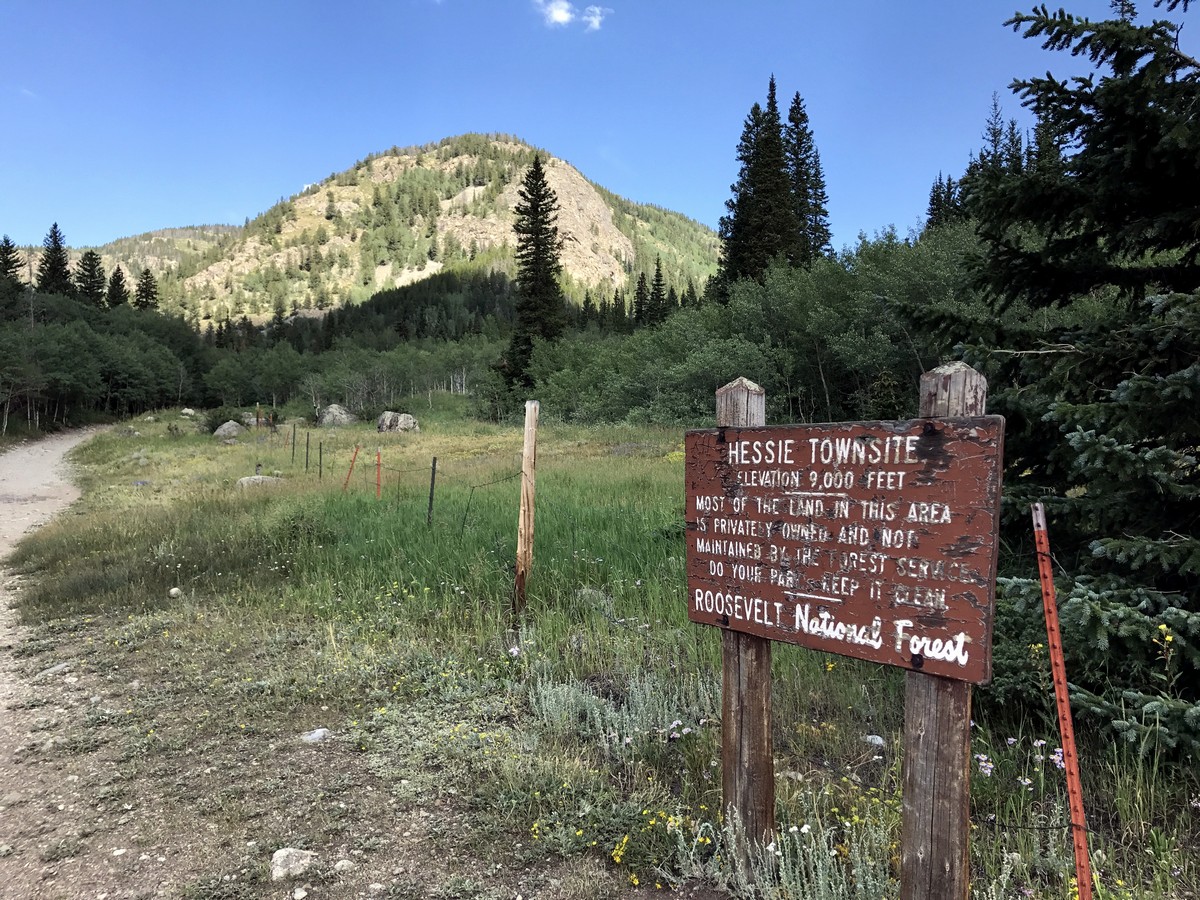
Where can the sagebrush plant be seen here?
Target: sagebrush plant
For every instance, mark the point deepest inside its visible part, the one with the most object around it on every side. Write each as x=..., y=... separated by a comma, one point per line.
x=590, y=731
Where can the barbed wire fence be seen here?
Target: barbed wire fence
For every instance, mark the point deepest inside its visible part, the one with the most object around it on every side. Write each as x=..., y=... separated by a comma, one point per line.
x=363, y=470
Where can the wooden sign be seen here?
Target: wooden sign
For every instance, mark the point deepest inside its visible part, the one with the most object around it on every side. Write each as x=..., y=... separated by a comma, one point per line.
x=869, y=539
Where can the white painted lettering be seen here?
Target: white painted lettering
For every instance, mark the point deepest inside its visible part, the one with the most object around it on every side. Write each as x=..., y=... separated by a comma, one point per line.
x=928, y=513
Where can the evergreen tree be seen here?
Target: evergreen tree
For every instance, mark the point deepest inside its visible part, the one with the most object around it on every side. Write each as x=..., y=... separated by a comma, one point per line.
x=539, y=305
x=1103, y=422
x=620, y=312
x=145, y=295
x=1044, y=154
x=90, y=281
x=761, y=226
x=945, y=203
x=54, y=268
x=118, y=292
x=587, y=312
x=10, y=268
x=807, y=183
x=658, y=310
x=1003, y=154
x=641, y=300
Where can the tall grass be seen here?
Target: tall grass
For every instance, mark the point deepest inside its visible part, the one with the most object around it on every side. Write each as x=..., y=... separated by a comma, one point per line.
x=591, y=728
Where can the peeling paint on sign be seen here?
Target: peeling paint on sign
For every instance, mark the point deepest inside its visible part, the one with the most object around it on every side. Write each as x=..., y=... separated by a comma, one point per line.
x=875, y=540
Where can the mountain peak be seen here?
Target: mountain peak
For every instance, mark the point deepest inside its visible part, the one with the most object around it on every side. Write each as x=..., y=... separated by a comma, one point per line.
x=398, y=217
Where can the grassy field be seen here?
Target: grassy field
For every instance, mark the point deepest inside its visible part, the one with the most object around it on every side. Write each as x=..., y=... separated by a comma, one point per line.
x=579, y=752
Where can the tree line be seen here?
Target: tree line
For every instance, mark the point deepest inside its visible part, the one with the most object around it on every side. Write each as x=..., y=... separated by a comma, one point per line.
x=86, y=281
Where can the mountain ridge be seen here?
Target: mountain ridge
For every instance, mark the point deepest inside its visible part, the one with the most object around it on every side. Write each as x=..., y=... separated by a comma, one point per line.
x=400, y=216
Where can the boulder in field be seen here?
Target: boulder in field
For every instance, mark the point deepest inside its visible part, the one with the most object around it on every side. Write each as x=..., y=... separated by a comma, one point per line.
x=393, y=421
x=230, y=429
x=334, y=414
x=255, y=480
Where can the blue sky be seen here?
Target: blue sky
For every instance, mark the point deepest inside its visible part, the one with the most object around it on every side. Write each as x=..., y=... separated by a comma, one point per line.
x=123, y=117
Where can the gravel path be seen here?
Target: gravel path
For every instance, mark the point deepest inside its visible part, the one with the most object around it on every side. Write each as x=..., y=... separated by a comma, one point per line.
x=34, y=486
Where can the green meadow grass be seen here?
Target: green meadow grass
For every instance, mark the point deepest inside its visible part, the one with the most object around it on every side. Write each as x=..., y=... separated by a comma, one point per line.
x=588, y=730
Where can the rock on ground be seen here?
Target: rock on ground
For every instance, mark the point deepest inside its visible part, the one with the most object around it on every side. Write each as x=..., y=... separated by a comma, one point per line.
x=230, y=429
x=393, y=421
x=334, y=414
x=288, y=862
x=254, y=480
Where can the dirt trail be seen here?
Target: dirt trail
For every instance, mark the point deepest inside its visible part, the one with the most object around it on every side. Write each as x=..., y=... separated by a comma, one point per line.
x=34, y=485
x=35, y=800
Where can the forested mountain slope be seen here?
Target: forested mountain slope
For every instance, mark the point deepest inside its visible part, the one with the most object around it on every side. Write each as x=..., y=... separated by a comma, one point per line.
x=398, y=217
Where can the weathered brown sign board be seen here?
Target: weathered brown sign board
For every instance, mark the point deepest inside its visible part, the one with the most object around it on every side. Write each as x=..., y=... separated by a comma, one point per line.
x=875, y=540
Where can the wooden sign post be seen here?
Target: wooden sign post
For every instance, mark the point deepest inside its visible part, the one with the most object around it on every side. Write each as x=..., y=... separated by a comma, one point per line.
x=875, y=540
x=936, y=799
x=748, y=765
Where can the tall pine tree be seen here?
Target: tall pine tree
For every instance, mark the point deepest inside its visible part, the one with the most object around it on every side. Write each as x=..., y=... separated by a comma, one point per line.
x=10, y=269
x=118, y=291
x=778, y=208
x=539, y=305
x=761, y=224
x=90, y=281
x=658, y=309
x=54, y=268
x=945, y=203
x=145, y=295
x=641, y=301
x=807, y=182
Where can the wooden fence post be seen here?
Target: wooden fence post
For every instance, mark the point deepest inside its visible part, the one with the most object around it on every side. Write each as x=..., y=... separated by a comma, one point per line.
x=525, y=520
x=350, y=471
x=747, y=761
x=937, y=720
x=432, y=481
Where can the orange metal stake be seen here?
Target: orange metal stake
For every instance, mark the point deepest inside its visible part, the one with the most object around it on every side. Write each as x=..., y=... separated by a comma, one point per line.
x=1058, y=668
x=350, y=471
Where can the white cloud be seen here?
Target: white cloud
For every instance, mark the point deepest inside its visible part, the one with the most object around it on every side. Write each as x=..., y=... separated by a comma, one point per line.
x=594, y=16
x=556, y=12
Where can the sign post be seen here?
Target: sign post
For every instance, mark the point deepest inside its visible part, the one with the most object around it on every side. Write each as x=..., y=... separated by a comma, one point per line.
x=748, y=765
x=875, y=540
x=936, y=801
